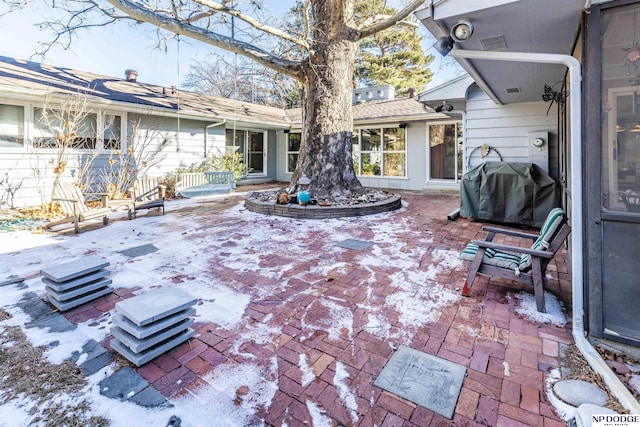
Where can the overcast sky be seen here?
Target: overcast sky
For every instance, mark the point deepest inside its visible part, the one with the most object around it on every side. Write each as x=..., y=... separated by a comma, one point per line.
x=112, y=49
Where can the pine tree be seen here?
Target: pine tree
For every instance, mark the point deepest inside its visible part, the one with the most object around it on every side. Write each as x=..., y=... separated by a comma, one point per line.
x=394, y=56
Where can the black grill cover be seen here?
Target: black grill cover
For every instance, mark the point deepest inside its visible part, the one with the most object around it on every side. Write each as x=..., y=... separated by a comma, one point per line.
x=509, y=193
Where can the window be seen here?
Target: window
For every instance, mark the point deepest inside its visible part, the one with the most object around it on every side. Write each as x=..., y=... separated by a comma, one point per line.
x=380, y=152
x=445, y=151
x=11, y=125
x=112, y=132
x=293, y=149
x=54, y=128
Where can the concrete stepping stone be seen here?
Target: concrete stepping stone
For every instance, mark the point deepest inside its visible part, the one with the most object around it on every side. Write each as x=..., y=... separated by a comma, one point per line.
x=11, y=280
x=92, y=358
x=122, y=384
x=151, y=324
x=423, y=379
x=148, y=355
x=78, y=291
x=137, y=251
x=71, y=270
x=76, y=282
x=42, y=316
x=140, y=332
x=155, y=305
x=150, y=398
x=586, y=410
x=579, y=392
x=358, y=245
x=139, y=345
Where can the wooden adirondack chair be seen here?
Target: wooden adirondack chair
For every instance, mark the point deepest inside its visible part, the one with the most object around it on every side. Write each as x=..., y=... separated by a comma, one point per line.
x=524, y=265
x=72, y=203
x=146, y=193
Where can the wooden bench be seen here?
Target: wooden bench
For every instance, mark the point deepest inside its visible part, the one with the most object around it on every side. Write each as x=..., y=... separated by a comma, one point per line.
x=195, y=184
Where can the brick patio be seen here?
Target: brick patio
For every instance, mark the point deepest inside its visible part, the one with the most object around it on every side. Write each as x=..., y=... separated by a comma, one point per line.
x=481, y=332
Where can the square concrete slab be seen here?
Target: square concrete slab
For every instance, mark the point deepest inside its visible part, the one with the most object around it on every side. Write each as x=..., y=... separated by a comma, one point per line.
x=74, y=283
x=423, y=379
x=78, y=291
x=144, y=331
x=73, y=269
x=139, y=251
x=358, y=245
x=155, y=305
x=139, y=345
x=69, y=304
x=152, y=353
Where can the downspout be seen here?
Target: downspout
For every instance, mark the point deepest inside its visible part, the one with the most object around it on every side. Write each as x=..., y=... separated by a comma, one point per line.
x=579, y=335
x=207, y=127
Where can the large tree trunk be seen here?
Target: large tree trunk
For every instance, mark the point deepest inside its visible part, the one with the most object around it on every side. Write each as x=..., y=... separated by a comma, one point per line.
x=325, y=155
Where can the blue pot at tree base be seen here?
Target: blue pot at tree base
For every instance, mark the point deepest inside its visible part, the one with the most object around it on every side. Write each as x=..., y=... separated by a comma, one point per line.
x=304, y=197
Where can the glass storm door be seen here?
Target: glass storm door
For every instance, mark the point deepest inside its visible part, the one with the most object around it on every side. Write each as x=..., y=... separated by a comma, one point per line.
x=256, y=152
x=445, y=151
x=252, y=147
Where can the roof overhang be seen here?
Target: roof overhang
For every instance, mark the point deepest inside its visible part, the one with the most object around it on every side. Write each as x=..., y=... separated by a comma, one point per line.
x=529, y=26
x=452, y=93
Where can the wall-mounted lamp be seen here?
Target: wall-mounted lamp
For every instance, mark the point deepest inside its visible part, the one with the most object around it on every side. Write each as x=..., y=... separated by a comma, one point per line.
x=402, y=125
x=444, y=106
x=462, y=31
x=443, y=45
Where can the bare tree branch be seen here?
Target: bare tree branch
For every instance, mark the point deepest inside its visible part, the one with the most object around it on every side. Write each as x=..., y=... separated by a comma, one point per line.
x=383, y=24
x=151, y=16
x=253, y=22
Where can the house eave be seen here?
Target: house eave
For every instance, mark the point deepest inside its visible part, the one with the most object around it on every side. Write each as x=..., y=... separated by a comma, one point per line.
x=36, y=96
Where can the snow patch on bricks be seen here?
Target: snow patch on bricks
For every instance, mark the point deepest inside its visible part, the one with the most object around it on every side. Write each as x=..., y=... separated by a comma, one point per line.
x=526, y=307
x=346, y=394
x=307, y=372
x=318, y=419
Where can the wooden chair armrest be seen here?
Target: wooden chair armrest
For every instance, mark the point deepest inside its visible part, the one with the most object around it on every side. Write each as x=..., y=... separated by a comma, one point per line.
x=60, y=199
x=104, y=198
x=163, y=191
x=510, y=248
x=510, y=232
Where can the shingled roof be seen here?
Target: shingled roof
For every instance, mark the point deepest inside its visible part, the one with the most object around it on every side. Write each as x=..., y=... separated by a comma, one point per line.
x=32, y=77
x=36, y=77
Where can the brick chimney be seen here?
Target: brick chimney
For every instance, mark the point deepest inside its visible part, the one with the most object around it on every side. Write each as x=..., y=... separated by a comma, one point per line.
x=411, y=92
x=131, y=75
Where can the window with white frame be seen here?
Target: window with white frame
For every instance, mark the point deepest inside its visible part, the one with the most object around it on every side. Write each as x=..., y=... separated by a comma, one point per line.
x=56, y=128
x=111, y=136
x=11, y=125
x=380, y=152
x=293, y=150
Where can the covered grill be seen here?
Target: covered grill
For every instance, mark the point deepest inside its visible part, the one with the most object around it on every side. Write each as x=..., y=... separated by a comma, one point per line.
x=508, y=192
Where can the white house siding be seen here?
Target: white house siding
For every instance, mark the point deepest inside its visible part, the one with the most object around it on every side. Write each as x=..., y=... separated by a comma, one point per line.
x=506, y=128
x=175, y=141
x=27, y=173
x=416, y=160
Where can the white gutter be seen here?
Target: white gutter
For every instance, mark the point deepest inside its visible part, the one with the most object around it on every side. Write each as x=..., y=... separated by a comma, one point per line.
x=207, y=127
x=577, y=290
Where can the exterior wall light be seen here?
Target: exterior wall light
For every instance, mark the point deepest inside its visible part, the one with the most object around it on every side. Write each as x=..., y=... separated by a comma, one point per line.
x=462, y=31
x=443, y=45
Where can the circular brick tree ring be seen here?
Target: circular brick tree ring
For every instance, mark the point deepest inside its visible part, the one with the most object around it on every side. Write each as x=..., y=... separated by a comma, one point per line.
x=322, y=212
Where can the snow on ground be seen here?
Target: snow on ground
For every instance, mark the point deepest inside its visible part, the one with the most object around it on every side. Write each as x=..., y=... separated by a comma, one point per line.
x=205, y=254
x=347, y=396
x=555, y=315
